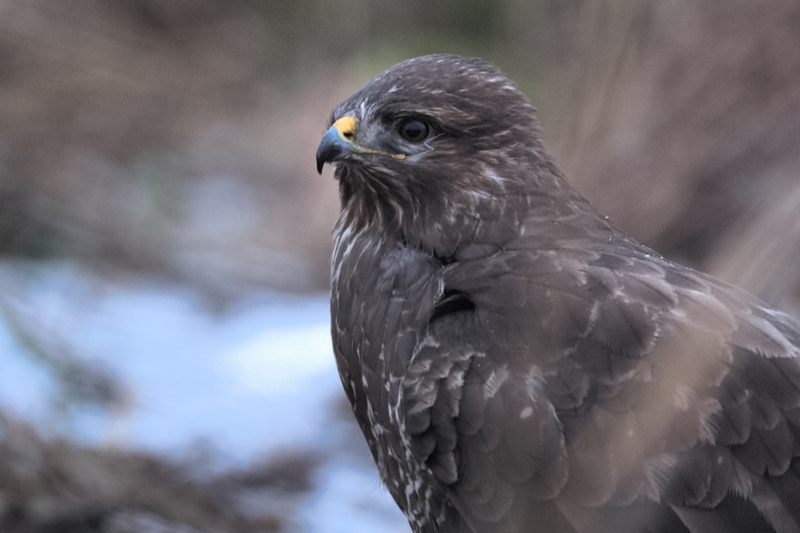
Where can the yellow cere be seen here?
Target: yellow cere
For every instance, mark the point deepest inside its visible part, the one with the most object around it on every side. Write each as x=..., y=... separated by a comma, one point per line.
x=346, y=126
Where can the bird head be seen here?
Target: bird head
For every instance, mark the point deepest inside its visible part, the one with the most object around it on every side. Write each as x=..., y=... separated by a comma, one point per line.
x=439, y=150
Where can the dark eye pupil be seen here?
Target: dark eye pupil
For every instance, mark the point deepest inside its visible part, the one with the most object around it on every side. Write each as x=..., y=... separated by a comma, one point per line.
x=414, y=131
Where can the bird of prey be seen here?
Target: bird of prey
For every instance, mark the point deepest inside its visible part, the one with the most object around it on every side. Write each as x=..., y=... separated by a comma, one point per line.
x=516, y=362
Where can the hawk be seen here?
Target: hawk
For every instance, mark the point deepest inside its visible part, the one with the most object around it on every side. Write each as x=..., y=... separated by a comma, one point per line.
x=516, y=362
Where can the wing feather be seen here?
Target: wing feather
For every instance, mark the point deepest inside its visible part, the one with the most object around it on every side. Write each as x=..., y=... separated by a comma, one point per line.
x=665, y=387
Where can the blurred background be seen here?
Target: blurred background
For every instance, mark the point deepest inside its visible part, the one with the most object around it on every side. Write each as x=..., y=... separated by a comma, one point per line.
x=165, y=364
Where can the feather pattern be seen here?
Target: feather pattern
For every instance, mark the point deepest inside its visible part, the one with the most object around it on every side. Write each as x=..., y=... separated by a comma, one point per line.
x=516, y=363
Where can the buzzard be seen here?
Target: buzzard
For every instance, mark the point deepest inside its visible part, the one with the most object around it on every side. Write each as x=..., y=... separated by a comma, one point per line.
x=516, y=362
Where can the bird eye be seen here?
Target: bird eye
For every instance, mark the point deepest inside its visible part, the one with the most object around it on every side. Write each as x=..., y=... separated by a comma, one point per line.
x=414, y=131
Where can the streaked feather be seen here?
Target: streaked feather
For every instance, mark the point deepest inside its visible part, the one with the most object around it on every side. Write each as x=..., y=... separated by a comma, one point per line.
x=517, y=364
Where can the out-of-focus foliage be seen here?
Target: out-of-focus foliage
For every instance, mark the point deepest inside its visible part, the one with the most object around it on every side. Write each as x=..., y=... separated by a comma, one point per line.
x=54, y=485
x=79, y=383
x=176, y=138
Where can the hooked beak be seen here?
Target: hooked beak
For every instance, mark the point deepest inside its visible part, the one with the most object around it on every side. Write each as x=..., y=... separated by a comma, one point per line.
x=337, y=142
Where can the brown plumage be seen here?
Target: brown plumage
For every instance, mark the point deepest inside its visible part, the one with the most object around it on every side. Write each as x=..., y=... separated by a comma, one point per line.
x=517, y=363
